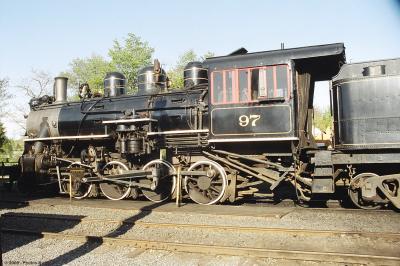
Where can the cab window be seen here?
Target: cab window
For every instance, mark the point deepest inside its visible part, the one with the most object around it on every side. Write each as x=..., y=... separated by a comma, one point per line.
x=281, y=81
x=243, y=86
x=229, y=86
x=217, y=87
x=250, y=84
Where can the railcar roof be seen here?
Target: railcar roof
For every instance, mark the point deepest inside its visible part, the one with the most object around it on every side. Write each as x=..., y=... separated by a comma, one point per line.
x=357, y=70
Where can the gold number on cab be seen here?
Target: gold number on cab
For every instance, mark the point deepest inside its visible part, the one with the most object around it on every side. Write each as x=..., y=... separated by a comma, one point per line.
x=245, y=120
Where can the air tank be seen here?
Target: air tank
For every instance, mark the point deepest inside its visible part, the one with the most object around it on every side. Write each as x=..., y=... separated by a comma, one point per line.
x=194, y=74
x=150, y=81
x=114, y=84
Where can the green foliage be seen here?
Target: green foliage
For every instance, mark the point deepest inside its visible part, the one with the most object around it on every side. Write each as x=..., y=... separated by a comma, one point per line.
x=91, y=70
x=126, y=57
x=3, y=137
x=129, y=57
x=4, y=95
x=175, y=74
x=11, y=150
x=322, y=119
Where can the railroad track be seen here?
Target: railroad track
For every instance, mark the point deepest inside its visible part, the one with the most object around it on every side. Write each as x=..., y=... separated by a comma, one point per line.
x=292, y=254
x=385, y=235
x=62, y=200
x=219, y=249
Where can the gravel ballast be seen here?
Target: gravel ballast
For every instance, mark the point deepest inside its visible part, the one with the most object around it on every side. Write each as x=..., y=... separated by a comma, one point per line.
x=55, y=252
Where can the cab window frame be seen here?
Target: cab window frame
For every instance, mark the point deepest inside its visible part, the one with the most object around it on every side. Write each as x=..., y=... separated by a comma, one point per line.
x=243, y=90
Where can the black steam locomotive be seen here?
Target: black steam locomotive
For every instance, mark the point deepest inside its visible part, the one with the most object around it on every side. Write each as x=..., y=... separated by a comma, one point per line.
x=240, y=128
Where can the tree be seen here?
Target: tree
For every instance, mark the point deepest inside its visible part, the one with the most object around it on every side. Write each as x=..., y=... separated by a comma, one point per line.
x=208, y=54
x=4, y=95
x=38, y=84
x=175, y=75
x=3, y=138
x=91, y=70
x=129, y=57
x=322, y=119
x=11, y=150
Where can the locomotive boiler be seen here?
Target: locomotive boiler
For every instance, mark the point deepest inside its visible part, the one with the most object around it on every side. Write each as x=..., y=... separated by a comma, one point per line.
x=241, y=127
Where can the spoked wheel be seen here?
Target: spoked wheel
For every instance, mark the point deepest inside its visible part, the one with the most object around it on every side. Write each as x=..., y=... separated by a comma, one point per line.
x=165, y=186
x=111, y=190
x=80, y=190
x=209, y=188
x=355, y=194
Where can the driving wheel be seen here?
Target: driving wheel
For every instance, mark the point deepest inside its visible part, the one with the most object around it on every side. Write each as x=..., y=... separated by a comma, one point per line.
x=112, y=190
x=208, y=188
x=164, y=183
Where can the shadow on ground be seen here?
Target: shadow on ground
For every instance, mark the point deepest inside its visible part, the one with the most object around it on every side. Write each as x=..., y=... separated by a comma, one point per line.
x=10, y=241
x=91, y=245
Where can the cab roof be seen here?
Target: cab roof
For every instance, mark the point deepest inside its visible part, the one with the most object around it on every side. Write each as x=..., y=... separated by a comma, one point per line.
x=322, y=61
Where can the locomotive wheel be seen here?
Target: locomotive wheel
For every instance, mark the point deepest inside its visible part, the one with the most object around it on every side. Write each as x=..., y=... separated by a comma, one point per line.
x=355, y=194
x=166, y=181
x=206, y=189
x=83, y=191
x=80, y=190
x=110, y=190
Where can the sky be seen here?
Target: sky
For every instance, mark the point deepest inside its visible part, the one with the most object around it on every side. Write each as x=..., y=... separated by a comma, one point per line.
x=48, y=35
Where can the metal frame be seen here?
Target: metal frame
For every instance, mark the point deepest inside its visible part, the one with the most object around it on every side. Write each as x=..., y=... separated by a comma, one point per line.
x=253, y=139
x=177, y=132
x=70, y=137
x=128, y=121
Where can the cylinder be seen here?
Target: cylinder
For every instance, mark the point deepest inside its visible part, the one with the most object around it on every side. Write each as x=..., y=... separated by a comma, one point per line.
x=114, y=84
x=122, y=146
x=150, y=82
x=194, y=74
x=135, y=145
x=60, y=89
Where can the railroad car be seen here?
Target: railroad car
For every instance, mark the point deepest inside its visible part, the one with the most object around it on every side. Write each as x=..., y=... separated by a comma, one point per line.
x=240, y=128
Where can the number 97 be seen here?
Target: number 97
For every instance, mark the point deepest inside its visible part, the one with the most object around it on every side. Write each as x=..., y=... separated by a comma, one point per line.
x=245, y=120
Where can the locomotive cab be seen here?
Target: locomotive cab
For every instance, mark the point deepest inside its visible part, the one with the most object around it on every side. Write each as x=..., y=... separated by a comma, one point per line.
x=267, y=97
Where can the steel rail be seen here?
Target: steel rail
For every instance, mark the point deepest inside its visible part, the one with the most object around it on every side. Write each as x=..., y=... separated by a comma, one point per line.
x=259, y=204
x=253, y=229
x=218, y=249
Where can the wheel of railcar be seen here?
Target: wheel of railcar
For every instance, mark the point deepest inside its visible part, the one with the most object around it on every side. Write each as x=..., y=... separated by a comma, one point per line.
x=166, y=183
x=111, y=190
x=355, y=194
x=209, y=188
x=80, y=190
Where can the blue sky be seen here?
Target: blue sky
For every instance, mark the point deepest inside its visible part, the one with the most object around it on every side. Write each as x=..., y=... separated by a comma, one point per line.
x=47, y=35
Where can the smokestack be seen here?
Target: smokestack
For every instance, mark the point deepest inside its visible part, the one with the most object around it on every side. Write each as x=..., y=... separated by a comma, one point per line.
x=282, y=45
x=60, y=89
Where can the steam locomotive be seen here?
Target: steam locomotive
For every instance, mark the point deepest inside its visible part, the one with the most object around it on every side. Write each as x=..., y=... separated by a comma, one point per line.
x=240, y=128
